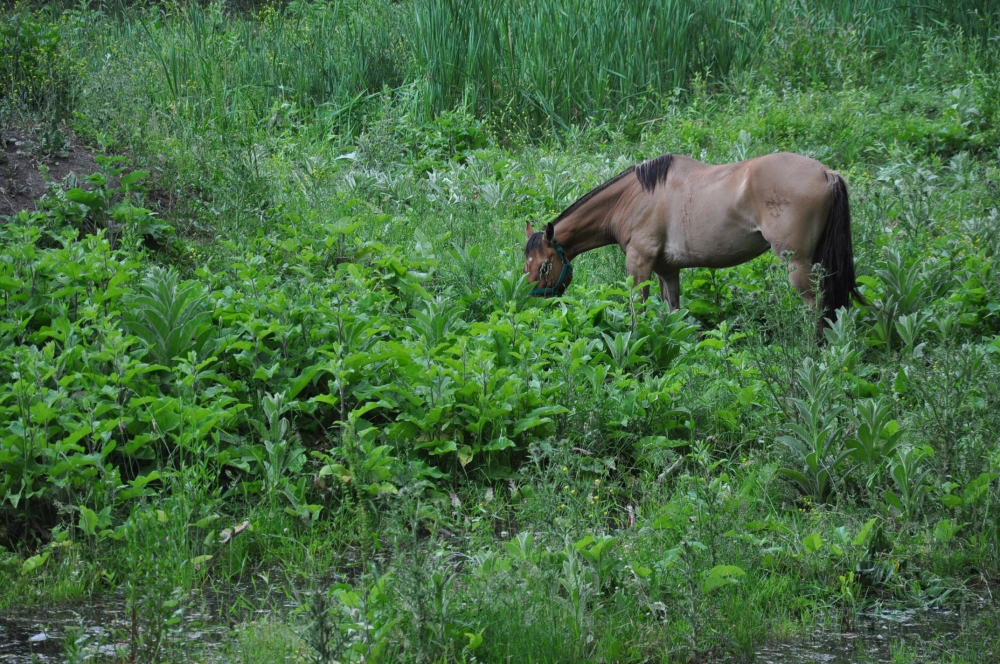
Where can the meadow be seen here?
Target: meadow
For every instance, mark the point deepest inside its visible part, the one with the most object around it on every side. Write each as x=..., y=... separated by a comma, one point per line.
x=278, y=348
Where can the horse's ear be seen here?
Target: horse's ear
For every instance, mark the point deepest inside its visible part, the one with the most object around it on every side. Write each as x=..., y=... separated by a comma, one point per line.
x=529, y=230
x=549, y=231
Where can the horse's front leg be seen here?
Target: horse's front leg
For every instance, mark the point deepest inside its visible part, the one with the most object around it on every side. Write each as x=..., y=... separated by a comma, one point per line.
x=670, y=289
x=640, y=268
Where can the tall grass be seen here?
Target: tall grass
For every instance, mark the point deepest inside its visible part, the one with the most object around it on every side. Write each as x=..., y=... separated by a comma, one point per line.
x=554, y=62
x=569, y=59
x=239, y=69
x=565, y=60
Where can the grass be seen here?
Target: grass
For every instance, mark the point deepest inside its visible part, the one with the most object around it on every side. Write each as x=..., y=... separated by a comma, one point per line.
x=281, y=347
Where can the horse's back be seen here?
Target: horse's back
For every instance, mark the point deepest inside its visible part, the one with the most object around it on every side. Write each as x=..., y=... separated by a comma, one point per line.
x=795, y=172
x=726, y=214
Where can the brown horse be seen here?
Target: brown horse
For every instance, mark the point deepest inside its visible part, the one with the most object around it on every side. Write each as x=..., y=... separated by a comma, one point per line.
x=674, y=212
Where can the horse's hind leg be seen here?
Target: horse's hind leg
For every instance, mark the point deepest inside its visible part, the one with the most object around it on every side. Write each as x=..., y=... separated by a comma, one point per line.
x=801, y=277
x=670, y=289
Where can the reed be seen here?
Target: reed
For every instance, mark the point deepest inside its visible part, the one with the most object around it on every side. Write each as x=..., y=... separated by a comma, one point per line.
x=550, y=62
x=565, y=60
x=238, y=69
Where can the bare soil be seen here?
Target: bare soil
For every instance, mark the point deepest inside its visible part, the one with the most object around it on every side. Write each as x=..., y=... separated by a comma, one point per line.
x=21, y=156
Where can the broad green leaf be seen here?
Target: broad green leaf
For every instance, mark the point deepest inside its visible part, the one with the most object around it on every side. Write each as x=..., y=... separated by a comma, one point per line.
x=951, y=501
x=499, y=444
x=977, y=487
x=327, y=399
x=721, y=575
x=143, y=480
x=130, y=179
x=438, y=446
x=34, y=562
x=945, y=530
x=812, y=543
x=862, y=537
x=88, y=520
x=90, y=199
x=76, y=435
x=641, y=572
x=475, y=640
x=201, y=523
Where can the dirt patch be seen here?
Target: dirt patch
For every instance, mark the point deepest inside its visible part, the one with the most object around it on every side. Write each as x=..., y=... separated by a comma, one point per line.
x=22, y=155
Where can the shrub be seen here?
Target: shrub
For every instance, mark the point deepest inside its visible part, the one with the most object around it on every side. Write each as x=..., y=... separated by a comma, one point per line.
x=35, y=72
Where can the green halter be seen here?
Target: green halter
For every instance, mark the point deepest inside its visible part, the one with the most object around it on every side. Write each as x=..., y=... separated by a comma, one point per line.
x=567, y=270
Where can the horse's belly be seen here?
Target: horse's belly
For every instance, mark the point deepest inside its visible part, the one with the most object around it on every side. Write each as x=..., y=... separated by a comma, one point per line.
x=723, y=249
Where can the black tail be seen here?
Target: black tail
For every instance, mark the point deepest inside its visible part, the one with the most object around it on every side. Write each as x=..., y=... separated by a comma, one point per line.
x=835, y=252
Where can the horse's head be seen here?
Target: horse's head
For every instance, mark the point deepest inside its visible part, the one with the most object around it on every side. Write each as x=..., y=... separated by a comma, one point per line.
x=545, y=262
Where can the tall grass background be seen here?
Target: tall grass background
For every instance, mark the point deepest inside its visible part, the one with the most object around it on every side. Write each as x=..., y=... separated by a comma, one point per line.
x=542, y=64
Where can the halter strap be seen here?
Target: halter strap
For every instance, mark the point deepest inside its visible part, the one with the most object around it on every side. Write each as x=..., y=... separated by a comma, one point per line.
x=560, y=286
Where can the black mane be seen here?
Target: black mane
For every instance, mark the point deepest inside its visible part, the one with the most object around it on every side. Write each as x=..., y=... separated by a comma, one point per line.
x=654, y=171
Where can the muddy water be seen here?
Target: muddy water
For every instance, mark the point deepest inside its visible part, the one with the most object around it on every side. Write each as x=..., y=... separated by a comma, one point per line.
x=38, y=634
x=879, y=637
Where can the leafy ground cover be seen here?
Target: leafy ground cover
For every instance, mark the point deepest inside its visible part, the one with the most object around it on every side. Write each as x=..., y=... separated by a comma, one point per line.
x=279, y=339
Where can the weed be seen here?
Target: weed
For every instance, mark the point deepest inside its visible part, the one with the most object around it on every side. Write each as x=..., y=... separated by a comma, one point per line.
x=322, y=365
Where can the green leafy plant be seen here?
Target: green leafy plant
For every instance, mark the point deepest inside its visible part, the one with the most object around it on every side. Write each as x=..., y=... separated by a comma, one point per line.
x=365, y=467
x=815, y=442
x=875, y=440
x=599, y=552
x=170, y=316
x=911, y=476
x=578, y=587
x=36, y=70
x=904, y=286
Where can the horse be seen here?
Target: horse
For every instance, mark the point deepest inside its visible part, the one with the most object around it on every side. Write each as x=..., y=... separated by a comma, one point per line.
x=674, y=212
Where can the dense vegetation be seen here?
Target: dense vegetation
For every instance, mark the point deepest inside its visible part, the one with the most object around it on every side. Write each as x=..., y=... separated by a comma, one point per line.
x=282, y=338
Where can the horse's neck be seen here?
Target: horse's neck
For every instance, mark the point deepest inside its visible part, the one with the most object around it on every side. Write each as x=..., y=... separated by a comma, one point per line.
x=589, y=226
